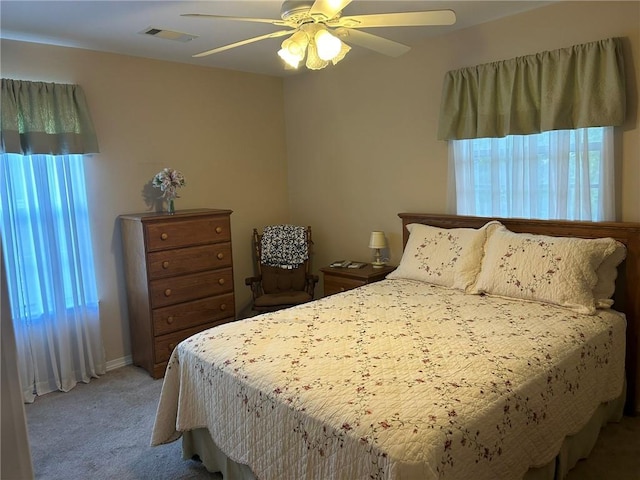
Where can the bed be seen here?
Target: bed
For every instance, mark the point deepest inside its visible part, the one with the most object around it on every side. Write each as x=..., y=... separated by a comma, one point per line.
x=456, y=366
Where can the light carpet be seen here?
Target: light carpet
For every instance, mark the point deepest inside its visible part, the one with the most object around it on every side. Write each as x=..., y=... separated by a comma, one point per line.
x=102, y=430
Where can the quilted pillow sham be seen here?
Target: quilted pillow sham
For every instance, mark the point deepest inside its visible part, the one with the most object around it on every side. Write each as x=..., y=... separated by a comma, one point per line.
x=607, y=273
x=449, y=257
x=557, y=270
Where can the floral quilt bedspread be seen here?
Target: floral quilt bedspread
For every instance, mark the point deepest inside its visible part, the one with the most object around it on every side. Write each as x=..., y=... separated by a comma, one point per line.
x=395, y=380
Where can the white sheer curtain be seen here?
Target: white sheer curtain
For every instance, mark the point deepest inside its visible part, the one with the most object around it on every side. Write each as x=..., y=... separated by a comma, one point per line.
x=50, y=271
x=561, y=174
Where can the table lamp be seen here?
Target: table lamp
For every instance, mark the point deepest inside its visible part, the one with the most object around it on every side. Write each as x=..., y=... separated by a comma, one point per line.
x=377, y=241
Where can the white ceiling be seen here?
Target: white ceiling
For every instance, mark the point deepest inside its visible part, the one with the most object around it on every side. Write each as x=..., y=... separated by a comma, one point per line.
x=113, y=26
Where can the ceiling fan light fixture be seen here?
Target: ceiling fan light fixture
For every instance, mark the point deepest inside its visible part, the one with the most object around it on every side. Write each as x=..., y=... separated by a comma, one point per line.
x=297, y=44
x=294, y=48
x=314, y=62
x=314, y=41
x=291, y=60
x=341, y=54
x=328, y=45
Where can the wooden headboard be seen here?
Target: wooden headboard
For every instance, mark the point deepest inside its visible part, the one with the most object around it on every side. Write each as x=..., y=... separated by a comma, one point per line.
x=627, y=296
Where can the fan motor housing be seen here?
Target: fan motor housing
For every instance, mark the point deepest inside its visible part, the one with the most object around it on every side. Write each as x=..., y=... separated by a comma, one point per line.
x=297, y=11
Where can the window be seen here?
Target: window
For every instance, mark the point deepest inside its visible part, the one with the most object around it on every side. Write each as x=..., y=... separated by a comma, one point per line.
x=561, y=174
x=50, y=271
x=47, y=203
x=45, y=132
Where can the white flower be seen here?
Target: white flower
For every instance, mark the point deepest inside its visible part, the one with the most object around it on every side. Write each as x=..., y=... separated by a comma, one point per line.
x=168, y=181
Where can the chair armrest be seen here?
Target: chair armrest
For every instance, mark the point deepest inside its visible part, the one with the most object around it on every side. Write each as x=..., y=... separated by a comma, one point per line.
x=252, y=280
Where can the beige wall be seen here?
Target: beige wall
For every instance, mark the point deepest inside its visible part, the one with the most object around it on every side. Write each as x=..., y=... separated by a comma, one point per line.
x=224, y=130
x=361, y=138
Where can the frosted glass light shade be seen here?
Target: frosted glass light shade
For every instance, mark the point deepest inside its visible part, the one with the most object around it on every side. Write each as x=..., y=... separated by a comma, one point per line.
x=314, y=62
x=344, y=49
x=294, y=48
x=290, y=59
x=328, y=46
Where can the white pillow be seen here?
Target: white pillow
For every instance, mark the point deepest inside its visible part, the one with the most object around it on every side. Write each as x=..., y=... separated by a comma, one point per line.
x=607, y=273
x=557, y=270
x=450, y=257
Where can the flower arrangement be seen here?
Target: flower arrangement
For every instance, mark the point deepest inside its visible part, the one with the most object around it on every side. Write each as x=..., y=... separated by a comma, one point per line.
x=168, y=181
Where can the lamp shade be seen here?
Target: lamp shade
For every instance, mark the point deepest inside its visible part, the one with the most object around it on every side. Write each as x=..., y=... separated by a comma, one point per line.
x=377, y=240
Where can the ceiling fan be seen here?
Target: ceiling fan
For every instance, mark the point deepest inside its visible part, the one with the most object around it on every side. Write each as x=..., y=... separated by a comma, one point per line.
x=318, y=31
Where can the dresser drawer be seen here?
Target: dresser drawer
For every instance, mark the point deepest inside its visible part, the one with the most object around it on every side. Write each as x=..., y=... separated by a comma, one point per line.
x=186, y=232
x=169, y=291
x=190, y=314
x=165, y=344
x=190, y=259
x=338, y=284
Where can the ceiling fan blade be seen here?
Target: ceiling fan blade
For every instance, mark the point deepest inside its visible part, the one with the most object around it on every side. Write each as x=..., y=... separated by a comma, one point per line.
x=279, y=33
x=327, y=9
x=372, y=42
x=280, y=23
x=403, y=19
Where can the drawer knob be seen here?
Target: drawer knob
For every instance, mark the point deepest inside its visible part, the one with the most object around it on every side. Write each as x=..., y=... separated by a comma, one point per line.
x=165, y=264
x=342, y=289
x=221, y=281
x=223, y=306
x=171, y=347
x=218, y=229
x=167, y=292
x=220, y=255
x=164, y=236
x=170, y=319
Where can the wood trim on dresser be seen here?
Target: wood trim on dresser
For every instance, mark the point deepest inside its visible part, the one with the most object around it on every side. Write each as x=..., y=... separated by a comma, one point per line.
x=627, y=296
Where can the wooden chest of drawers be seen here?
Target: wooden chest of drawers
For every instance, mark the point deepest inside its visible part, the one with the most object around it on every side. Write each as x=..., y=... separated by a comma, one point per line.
x=179, y=277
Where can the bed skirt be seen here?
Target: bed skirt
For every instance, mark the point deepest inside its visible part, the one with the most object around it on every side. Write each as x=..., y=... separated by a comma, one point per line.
x=575, y=447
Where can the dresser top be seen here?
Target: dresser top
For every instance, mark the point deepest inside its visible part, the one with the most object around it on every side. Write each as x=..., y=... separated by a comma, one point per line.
x=195, y=212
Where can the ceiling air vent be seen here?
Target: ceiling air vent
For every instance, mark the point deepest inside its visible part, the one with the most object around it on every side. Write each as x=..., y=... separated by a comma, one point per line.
x=168, y=34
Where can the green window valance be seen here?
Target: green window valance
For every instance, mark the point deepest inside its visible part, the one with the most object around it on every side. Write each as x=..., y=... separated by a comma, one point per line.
x=575, y=87
x=45, y=118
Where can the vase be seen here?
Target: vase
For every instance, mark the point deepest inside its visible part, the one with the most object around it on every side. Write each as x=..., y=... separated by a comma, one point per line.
x=171, y=208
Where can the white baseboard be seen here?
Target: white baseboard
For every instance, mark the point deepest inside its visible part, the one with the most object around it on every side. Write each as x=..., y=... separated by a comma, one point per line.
x=119, y=362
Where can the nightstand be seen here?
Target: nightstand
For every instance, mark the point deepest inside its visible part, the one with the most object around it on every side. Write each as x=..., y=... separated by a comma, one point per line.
x=340, y=279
